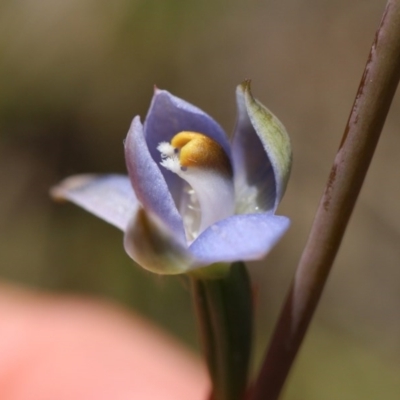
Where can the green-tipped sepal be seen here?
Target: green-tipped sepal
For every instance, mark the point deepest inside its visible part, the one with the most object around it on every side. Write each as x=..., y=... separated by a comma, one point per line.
x=262, y=154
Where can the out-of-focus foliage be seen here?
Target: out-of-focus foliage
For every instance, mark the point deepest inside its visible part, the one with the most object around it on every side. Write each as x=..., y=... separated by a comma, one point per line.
x=74, y=73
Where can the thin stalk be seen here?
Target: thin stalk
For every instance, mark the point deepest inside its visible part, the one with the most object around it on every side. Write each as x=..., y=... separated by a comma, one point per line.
x=372, y=103
x=224, y=313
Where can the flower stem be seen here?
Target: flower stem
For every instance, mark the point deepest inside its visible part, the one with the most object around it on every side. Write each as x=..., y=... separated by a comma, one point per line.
x=372, y=103
x=224, y=313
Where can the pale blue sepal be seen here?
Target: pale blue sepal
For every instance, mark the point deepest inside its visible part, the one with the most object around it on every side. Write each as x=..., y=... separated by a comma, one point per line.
x=262, y=155
x=149, y=183
x=150, y=243
x=169, y=115
x=109, y=197
x=240, y=237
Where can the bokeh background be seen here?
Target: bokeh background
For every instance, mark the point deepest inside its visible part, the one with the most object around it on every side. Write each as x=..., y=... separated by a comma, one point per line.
x=73, y=74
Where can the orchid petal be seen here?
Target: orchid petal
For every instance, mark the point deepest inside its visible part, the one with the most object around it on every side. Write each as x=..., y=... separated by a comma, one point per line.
x=152, y=245
x=262, y=155
x=109, y=197
x=241, y=237
x=148, y=182
x=169, y=115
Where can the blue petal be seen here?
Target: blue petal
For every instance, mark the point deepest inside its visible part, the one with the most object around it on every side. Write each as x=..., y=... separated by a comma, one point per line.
x=109, y=197
x=148, y=182
x=251, y=166
x=240, y=237
x=169, y=115
x=261, y=155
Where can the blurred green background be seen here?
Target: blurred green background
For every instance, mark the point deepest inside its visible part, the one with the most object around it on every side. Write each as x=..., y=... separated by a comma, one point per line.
x=74, y=73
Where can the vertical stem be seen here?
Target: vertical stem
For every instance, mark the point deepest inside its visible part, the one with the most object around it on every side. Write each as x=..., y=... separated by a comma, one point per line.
x=204, y=325
x=372, y=103
x=224, y=312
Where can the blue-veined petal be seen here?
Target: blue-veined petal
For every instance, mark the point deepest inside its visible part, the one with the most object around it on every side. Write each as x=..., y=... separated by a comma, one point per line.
x=148, y=182
x=169, y=115
x=261, y=154
x=109, y=197
x=241, y=237
x=152, y=245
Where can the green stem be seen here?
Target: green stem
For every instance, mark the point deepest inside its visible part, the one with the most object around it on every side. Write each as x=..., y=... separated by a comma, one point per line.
x=372, y=103
x=224, y=312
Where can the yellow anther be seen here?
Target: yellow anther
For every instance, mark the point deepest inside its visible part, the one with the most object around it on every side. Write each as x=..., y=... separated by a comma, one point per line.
x=198, y=150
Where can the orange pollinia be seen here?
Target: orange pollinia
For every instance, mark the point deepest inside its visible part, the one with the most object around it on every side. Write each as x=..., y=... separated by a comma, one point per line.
x=198, y=150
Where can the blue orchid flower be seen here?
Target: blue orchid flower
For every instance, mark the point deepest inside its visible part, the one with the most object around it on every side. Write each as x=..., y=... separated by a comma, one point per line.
x=191, y=198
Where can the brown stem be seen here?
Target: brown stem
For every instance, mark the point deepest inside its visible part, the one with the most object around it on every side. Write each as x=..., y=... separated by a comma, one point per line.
x=372, y=103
